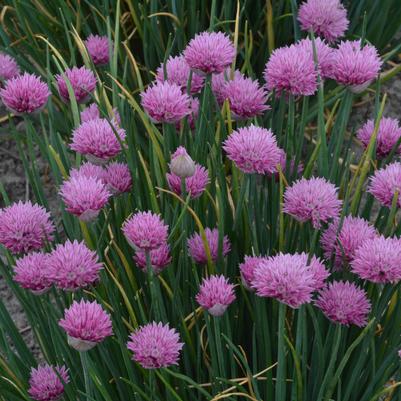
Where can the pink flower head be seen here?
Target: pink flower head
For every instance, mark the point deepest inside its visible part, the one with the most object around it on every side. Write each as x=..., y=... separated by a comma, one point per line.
x=86, y=324
x=31, y=272
x=343, y=243
x=25, y=93
x=89, y=170
x=320, y=273
x=118, y=178
x=155, y=346
x=73, y=265
x=387, y=136
x=312, y=199
x=378, y=260
x=177, y=72
x=98, y=48
x=344, y=303
x=8, y=67
x=165, y=102
x=92, y=112
x=385, y=183
x=324, y=55
x=83, y=83
x=327, y=18
x=25, y=227
x=219, y=82
x=246, y=98
x=192, y=116
x=354, y=66
x=210, y=52
x=283, y=164
x=84, y=196
x=289, y=278
x=247, y=269
x=145, y=230
x=194, y=112
x=97, y=140
x=215, y=294
x=160, y=258
x=45, y=383
x=253, y=149
x=194, y=185
x=197, y=249
x=291, y=69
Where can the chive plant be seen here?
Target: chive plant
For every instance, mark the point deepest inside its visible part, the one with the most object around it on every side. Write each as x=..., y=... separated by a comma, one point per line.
x=255, y=343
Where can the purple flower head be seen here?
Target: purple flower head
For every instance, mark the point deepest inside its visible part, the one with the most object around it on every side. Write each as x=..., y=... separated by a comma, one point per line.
x=8, y=67
x=388, y=135
x=97, y=140
x=324, y=55
x=31, y=272
x=92, y=112
x=98, y=48
x=89, y=170
x=253, y=149
x=45, y=383
x=289, y=278
x=145, y=230
x=25, y=227
x=118, y=178
x=327, y=18
x=182, y=164
x=320, y=273
x=283, y=164
x=160, y=258
x=378, y=260
x=165, y=102
x=247, y=269
x=25, y=93
x=215, y=294
x=219, y=82
x=209, y=52
x=291, y=69
x=385, y=183
x=86, y=324
x=286, y=278
x=192, y=116
x=83, y=83
x=344, y=303
x=73, y=265
x=343, y=243
x=354, y=66
x=155, y=346
x=194, y=185
x=178, y=72
x=313, y=199
x=84, y=196
x=197, y=250
x=246, y=98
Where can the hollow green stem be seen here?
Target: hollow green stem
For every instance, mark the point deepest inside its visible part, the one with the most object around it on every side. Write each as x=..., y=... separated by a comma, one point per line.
x=154, y=307
x=85, y=365
x=281, y=362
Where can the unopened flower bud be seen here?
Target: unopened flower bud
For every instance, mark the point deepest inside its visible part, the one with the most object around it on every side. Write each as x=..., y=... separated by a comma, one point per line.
x=182, y=164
